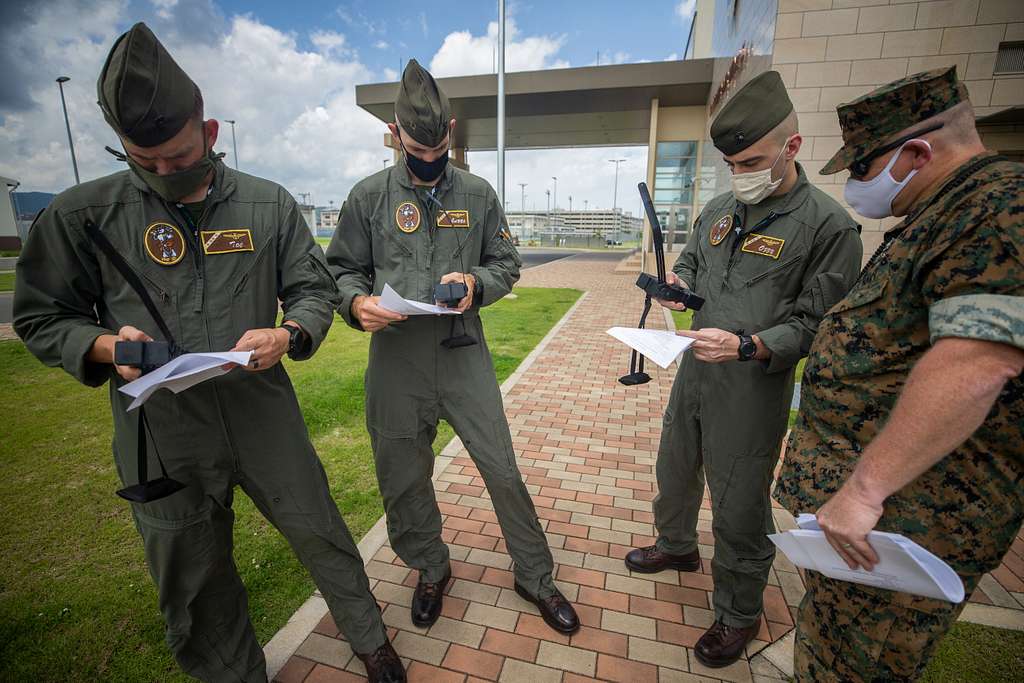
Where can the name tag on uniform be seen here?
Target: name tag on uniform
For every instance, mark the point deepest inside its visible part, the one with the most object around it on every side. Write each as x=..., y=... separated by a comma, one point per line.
x=457, y=218
x=763, y=245
x=226, y=241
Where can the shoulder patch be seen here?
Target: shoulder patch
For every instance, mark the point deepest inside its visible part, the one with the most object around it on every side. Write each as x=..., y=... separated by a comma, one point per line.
x=407, y=217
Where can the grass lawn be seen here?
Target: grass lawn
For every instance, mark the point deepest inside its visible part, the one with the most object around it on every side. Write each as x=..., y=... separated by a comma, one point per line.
x=76, y=600
x=976, y=653
x=7, y=281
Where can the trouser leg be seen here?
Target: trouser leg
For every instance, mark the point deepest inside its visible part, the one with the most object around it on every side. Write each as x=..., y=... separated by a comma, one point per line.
x=292, y=492
x=741, y=522
x=846, y=632
x=188, y=543
x=404, y=469
x=680, y=472
x=472, y=405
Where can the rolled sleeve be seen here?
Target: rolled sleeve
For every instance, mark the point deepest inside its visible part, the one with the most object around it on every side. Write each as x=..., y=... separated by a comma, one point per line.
x=984, y=317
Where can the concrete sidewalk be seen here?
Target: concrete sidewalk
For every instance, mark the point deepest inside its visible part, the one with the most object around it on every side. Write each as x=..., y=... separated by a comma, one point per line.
x=586, y=446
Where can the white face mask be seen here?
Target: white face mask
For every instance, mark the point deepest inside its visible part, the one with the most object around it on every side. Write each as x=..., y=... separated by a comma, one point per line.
x=873, y=198
x=751, y=188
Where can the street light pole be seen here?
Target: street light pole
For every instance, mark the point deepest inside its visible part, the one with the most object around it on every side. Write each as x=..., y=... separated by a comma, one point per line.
x=522, y=204
x=615, y=194
x=71, y=143
x=234, y=145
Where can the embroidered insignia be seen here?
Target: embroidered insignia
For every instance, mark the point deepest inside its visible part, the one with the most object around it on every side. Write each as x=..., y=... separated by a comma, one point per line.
x=226, y=241
x=453, y=219
x=407, y=216
x=720, y=229
x=763, y=245
x=164, y=243
x=504, y=233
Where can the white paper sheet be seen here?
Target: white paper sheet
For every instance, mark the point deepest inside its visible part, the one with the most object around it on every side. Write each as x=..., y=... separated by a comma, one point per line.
x=903, y=564
x=391, y=300
x=187, y=370
x=661, y=346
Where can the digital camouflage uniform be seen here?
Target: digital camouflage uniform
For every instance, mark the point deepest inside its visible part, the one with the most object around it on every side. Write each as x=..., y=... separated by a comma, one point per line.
x=241, y=429
x=772, y=276
x=390, y=232
x=954, y=267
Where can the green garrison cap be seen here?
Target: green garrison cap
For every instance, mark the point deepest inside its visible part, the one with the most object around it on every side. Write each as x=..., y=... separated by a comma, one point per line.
x=145, y=96
x=871, y=120
x=421, y=107
x=751, y=113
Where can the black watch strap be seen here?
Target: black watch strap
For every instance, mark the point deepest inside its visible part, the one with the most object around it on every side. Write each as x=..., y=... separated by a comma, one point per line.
x=748, y=349
x=295, y=337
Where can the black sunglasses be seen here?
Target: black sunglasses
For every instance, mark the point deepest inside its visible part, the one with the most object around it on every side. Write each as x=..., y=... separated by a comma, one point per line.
x=860, y=167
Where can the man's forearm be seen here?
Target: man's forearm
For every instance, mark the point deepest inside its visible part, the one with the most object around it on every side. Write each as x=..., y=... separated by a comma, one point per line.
x=102, y=350
x=946, y=398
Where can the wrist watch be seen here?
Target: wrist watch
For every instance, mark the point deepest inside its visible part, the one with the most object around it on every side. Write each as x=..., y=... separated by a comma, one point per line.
x=295, y=337
x=748, y=349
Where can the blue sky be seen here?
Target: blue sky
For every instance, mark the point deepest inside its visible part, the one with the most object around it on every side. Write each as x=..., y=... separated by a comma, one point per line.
x=287, y=72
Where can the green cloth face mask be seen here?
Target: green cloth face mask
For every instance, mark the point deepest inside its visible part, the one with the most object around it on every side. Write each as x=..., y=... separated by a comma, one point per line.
x=173, y=186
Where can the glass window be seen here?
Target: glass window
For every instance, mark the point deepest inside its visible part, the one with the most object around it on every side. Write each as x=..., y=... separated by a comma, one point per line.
x=686, y=148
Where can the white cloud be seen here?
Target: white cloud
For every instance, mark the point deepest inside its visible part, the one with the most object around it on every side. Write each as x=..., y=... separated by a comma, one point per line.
x=686, y=9
x=462, y=53
x=298, y=123
x=164, y=7
x=381, y=45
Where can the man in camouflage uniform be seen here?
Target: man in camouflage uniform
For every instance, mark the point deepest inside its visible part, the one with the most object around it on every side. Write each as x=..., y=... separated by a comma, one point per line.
x=215, y=250
x=912, y=405
x=412, y=226
x=770, y=257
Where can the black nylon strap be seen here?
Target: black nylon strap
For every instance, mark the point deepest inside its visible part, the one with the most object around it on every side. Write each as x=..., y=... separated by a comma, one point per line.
x=97, y=236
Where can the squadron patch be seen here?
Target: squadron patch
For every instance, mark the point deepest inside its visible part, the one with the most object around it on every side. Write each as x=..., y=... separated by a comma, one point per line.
x=407, y=217
x=164, y=243
x=453, y=219
x=763, y=245
x=226, y=241
x=720, y=229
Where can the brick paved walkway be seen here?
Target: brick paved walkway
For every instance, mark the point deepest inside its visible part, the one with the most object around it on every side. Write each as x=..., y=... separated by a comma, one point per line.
x=586, y=447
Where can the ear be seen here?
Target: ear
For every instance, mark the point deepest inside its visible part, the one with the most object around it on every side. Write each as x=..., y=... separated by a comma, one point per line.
x=393, y=127
x=211, y=128
x=922, y=152
x=793, y=147
x=451, y=127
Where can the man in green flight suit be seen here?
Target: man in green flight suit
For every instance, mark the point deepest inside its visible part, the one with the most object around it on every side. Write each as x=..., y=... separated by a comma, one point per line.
x=214, y=249
x=770, y=257
x=412, y=226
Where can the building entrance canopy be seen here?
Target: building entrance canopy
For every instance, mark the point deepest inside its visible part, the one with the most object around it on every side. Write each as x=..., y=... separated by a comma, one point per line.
x=593, y=106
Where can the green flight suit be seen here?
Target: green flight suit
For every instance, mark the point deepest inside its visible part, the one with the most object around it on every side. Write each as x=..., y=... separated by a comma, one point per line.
x=243, y=428
x=726, y=421
x=389, y=232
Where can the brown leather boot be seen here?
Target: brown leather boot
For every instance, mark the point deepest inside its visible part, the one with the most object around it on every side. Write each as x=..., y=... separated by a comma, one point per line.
x=650, y=560
x=383, y=665
x=722, y=645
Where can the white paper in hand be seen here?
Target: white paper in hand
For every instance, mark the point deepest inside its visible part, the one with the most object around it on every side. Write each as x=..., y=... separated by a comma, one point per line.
x=187, y=370
x=903, y=564
x=391, y=300
x=661, y=346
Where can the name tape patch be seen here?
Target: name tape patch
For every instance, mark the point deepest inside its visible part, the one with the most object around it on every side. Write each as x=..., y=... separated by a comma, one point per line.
x=226, y=241
x=458, y=218
x=763, y=245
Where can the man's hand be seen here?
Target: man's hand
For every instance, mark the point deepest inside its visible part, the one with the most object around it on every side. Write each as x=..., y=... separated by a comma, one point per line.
x=846, y=519
x=712, y=345
x=127, y=333
x=367, y=310
x=268, y=345
x=673, y=279
x=470, y=281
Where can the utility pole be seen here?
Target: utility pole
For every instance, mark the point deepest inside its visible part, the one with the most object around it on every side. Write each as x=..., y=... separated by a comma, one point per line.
x=615, y=194
x=570, y=203
x=522, y=204
x=501, y=101
x=61, y=80
x=234, y=145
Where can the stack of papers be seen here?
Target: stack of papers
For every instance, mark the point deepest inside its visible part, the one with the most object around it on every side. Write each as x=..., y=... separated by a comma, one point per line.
x=391, y=300
x=187, y=370
x=903, y=566
x=661, y=346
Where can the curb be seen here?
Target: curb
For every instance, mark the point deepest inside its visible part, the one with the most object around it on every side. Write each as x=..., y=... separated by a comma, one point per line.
x=287, y=640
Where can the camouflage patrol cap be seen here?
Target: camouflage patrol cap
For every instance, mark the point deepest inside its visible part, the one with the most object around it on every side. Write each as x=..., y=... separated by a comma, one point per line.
x=422, y=109
x=145, y=96
x=754, y=111
x=871, y=120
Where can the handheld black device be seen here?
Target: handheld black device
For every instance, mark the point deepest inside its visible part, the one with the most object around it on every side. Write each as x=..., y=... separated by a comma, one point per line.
x=147, y=356
x=450, y=293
